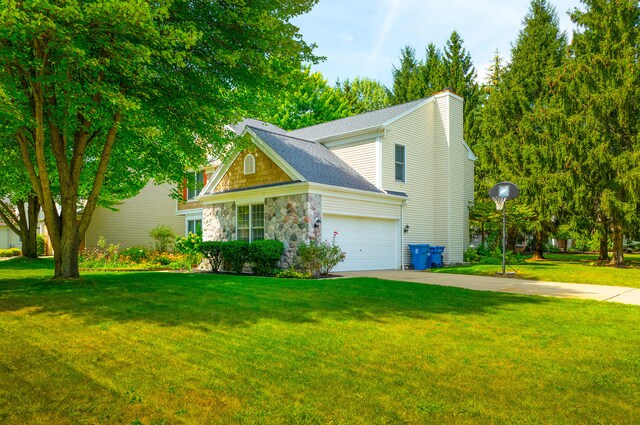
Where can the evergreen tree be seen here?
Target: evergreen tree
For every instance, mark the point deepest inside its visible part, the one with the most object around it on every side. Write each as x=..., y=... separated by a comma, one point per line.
x=600, y=88
x=363, y=95
x=431, y=72
x=494, y=73
x=460, y=74
x=406, y=79
x=514, y=144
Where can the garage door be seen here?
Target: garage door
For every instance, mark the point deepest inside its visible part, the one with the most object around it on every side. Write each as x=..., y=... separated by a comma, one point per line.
x=370, y=243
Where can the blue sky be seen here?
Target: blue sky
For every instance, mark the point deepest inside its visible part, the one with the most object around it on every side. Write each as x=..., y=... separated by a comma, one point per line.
x=364, y=38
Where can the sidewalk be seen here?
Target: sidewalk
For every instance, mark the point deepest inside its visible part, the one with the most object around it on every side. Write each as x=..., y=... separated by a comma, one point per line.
x=509, y=284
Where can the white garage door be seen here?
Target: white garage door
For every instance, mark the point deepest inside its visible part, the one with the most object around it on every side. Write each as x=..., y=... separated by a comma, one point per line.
x=370, y=243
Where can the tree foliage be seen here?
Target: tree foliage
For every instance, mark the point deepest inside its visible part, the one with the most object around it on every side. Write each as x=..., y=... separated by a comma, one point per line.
x=598, y=92
x=516, y=143
x=102, y=95
x=363, y=95
x=310, y=100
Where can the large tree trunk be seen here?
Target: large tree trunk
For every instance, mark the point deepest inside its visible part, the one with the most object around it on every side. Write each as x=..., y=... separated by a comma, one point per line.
x=538, y=247
x=603, y=252
x=66, y=258
x=617, y=258
x=29, y=228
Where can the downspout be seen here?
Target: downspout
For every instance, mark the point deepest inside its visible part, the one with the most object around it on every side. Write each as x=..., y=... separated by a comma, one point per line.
x=402, y=234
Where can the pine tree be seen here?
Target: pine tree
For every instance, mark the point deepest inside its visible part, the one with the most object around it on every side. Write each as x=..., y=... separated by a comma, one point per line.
x=431, y=72
x=460, y=74
x=363, y=95
x=406, y=79
x=599, y=91
x=514, y=145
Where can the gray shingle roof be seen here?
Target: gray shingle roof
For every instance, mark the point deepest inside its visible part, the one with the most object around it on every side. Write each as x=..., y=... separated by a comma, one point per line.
x=355, y=123
x=315, y=162
x=239, y=127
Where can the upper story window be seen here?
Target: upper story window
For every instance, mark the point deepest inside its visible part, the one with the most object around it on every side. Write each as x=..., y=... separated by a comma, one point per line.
x=249, y=164
x=192, y=192
x=250, y=222
x=400, y=163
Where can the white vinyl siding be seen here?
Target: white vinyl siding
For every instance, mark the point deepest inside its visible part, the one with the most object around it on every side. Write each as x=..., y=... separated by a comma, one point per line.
x=8, y=239
x=361, y=157
x=435, y=210
x=358, y=208
x=130, y=225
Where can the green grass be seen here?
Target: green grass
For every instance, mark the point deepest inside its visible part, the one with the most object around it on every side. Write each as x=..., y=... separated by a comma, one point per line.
x=572, y=268
x=158, y=348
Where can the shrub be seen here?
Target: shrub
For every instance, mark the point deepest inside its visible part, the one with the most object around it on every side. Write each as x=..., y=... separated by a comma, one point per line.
x=135, y=254
x=188, y=245
x=321, y=257
x=264, y=255
x=235, y=254
x=212, y=252
x=164, y=237
x=471, y=255
x=41, y=245
x=292, y=273
x=11, y=252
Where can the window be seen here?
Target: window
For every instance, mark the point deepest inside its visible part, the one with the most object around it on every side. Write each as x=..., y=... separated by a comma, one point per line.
x=192, y=192
x=400, y=163
x=194, y=226
x=250, y=222
x=249, y=164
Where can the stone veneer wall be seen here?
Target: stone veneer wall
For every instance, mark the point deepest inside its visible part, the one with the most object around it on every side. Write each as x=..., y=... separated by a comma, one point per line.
x=291, y=219
x=219, y=222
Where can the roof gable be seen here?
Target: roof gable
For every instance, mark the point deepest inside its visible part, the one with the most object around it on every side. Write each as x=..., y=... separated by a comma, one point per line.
x=313, y=161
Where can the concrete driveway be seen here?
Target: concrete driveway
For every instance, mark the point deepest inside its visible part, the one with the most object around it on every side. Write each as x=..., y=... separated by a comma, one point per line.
x=509, y=284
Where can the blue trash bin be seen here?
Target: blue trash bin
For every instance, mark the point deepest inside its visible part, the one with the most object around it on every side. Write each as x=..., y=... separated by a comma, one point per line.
x=419, y=254
x=436, y=255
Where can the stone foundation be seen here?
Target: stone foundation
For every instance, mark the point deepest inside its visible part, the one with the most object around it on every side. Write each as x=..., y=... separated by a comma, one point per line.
x=292, y=220
x=219, y=222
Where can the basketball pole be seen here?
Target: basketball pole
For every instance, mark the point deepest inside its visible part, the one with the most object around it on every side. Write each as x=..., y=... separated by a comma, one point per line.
x=504, y=238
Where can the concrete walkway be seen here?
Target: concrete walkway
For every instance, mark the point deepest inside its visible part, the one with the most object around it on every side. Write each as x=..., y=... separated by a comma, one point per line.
x=509, y=284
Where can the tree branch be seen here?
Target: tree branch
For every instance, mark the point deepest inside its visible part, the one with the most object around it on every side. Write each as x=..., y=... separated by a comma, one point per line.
x=92, y=200
x=9, y=217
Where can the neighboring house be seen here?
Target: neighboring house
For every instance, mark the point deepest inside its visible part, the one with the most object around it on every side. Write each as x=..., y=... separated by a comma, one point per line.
x=135, y=217
x=8, y=239
x=377, y=181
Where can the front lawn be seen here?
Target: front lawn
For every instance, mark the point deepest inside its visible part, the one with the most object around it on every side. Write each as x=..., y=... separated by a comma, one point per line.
x=156, y=348
x=572, y=268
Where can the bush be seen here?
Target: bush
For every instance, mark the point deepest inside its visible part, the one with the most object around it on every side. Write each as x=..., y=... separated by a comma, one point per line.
x=11, y=252
x=320, y=257
x=135, y=254
x=188, y=245
x=41, y=245
x=235, y=254
x=164, y=237
x=471, y=255
x=264, y=255
x=212, y=252
x=292, y=273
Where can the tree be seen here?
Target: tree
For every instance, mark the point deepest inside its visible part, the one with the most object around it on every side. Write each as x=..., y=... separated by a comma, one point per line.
x=517, y=142
x=363, y=95
x=103, y=95
x=310, y=100
x=598, y=91
x=460, y=74
x=431, y=72
x=406, y=79
x=19, y=206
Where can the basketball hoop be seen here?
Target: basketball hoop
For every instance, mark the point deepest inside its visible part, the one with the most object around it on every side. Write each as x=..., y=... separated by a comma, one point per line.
x=499, y=200
x=500, y=193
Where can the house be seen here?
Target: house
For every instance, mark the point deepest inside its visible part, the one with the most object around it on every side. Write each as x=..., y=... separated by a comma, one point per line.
x=376, y=181
x=8, y=239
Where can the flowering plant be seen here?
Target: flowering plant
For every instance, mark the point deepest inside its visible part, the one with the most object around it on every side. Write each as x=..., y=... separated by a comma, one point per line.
x=320, y=257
